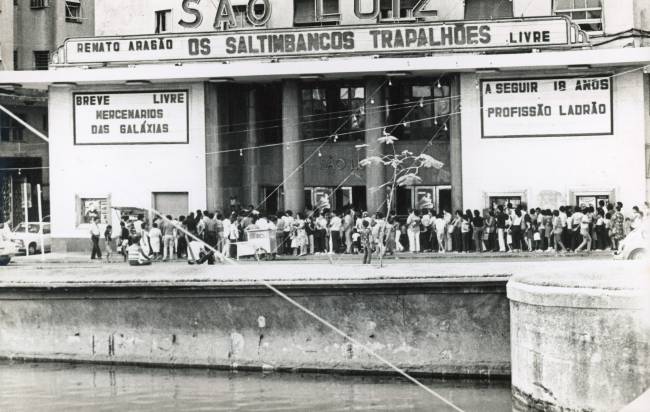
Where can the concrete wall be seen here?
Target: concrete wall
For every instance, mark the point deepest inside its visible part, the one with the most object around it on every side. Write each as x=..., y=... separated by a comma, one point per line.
x=568, y=165
x=459, y=328
x=129, y=174
x=580, y=341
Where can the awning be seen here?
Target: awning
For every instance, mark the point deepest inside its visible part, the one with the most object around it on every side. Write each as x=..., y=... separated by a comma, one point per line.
x=252, y=71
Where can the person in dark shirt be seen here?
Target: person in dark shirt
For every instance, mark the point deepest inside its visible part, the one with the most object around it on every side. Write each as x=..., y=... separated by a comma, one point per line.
x=502, y=219
x=478, y=224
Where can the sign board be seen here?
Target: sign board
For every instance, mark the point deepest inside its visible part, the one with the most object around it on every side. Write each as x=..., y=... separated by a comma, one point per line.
x=151, y=117
x=539, y=32
x=566, y=106
x=95, y=209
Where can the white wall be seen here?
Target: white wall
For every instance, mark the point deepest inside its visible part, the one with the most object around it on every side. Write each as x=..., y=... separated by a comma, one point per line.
x=564, y=164
x=128, y=173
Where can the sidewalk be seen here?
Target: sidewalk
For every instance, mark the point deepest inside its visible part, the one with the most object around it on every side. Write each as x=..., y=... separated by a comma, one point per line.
x=76, y=257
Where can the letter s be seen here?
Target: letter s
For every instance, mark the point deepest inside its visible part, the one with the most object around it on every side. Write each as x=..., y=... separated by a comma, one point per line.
x=484, y=33
x=189, y=9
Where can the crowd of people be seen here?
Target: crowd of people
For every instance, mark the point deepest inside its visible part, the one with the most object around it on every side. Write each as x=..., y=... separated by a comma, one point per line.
x=505, y=228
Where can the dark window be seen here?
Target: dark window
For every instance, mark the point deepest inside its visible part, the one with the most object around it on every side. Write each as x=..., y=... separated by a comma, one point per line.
x=487, y=9
x=10, y=129
x=352, y=105
x=586, y=13
x=38, y=4
x=314, y=119
x=333, y=108
x=161, y=21
x=316, y=12
x=73, y=11
x=15, y=59
x=419, y=110
x=41, y=59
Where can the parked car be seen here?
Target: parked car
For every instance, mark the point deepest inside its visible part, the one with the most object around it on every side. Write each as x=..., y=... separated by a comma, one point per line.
x=636, y=244
x=7, y=251
x=31, y=238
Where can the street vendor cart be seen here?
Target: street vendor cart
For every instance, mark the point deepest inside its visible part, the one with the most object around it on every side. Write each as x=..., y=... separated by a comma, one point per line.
x=261, y=244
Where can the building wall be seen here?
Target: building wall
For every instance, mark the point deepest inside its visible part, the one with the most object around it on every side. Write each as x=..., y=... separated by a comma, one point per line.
x=557, y=164
x=128, y=173
x=46, y=28
x=6, y=34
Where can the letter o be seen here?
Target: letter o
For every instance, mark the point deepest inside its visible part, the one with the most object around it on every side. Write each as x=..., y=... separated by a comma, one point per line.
x=253, y=18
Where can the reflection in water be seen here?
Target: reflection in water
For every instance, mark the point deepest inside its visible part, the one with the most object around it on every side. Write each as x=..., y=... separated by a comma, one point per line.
x=66, y=387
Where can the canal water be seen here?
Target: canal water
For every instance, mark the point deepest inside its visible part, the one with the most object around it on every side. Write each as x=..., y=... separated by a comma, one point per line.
x=70, y=387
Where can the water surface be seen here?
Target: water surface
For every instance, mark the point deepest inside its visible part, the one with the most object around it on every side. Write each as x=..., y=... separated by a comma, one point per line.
x=70, y=387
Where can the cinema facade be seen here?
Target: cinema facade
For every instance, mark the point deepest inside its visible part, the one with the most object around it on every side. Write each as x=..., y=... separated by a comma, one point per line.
x=518, y=110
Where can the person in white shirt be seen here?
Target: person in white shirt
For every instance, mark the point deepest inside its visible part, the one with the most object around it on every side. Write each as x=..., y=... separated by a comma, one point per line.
x=440, y=226
x=335, y=232
x=94, y=238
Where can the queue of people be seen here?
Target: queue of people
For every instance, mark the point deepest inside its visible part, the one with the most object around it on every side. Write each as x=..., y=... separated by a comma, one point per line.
x=502, y=229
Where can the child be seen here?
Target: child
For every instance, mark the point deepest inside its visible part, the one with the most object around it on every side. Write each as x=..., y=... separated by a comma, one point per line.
x=356, y=242
x=136, y=255
x=155, y=239
x=108, y=237
x=367, y=241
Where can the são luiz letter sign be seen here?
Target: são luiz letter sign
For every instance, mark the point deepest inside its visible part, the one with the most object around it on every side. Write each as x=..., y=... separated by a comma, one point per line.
x=326, y=41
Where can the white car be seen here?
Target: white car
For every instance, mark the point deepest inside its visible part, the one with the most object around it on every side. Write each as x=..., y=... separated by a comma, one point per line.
x=31, y=238
x=636, y=244
x=7, y=251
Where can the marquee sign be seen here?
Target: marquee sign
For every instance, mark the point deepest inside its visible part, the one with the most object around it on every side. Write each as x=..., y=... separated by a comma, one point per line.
x=567, y=106
x=152, y=117
x=326, y=41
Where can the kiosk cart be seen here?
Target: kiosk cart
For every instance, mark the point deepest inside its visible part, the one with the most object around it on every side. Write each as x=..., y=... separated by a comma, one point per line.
x=261, y=243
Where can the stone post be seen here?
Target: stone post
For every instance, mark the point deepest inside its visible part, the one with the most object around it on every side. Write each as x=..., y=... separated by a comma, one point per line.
x=455, y=146
x=375, y=121
x=214, y=116
x=292, y=171
x=251, y=157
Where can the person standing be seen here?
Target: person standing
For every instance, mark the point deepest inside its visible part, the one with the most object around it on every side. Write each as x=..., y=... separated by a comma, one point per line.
x=335, y=231
x=584, y=232
x=501, y=223
x=94, y=238
x=441, y=232
x=478, y=223
x=168, y=238
x=558, y=228
x=348, y=226
x=366, y=242
x=155, y=240
x=108, y=239
x=413, y=229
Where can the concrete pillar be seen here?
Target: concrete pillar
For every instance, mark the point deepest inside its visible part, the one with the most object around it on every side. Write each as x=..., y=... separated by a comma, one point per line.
x=251, y=157
x=214, y=115
x=455, y=146
x=375, y=121
x=293, y=156
x=579, y=340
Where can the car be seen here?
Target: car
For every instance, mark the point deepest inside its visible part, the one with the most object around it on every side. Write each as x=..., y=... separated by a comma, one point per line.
x=7, y=251
x=636, y=244
x=31, y=238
